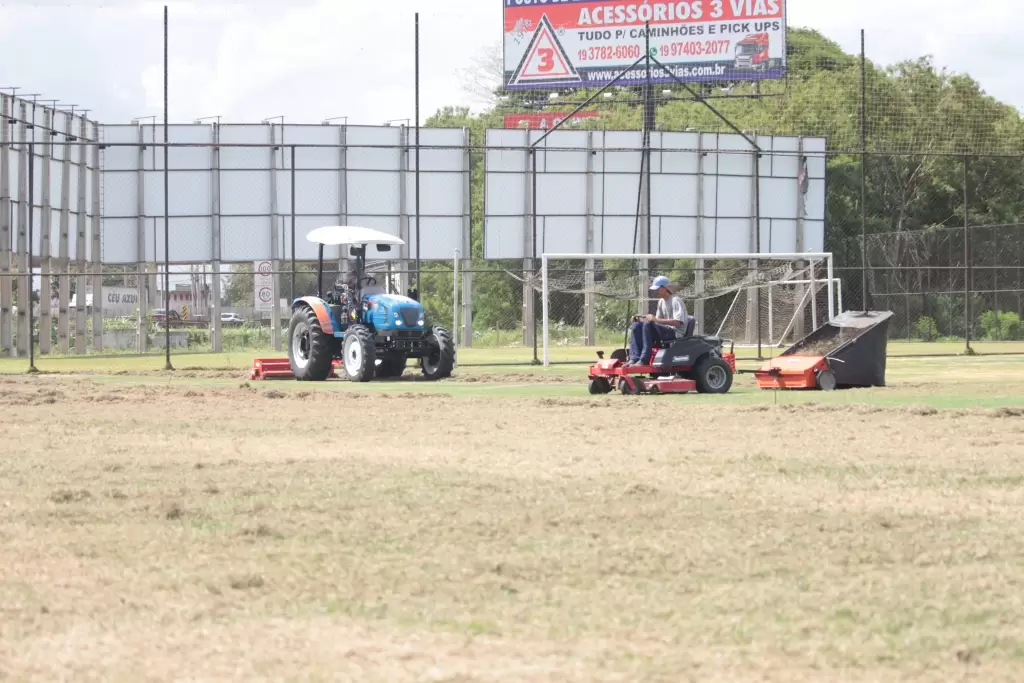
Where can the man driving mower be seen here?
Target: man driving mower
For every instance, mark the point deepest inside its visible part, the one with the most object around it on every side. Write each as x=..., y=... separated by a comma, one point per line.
x=646, y=330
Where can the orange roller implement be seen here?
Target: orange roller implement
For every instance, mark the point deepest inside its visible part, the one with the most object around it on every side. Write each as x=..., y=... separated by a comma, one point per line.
x=280, y=368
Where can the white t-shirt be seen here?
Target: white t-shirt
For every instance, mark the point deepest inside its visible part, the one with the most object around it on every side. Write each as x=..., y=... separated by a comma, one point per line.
x=676, y=306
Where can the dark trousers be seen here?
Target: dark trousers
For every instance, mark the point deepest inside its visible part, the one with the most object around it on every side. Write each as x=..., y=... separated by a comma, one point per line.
x=643, y=336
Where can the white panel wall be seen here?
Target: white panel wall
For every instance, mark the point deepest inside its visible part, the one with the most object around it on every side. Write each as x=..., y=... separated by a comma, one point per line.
x=702, y=193
x=119, y=226
x=355, y=175
x=444, y=189
x=80, y=157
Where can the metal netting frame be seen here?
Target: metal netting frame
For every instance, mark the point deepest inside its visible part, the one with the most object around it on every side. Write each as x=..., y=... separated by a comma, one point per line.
x=806, y=256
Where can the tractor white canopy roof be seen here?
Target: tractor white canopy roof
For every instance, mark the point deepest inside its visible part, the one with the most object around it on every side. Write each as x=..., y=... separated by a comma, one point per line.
x=351, y=234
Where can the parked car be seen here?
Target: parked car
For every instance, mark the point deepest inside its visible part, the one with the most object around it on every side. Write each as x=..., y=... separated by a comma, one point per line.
x=231, y=319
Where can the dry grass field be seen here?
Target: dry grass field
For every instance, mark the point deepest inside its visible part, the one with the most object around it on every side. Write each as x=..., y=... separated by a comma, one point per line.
x=206, y=528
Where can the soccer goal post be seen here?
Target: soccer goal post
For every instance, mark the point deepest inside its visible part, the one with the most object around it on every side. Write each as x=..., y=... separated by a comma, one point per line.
x=752, y=299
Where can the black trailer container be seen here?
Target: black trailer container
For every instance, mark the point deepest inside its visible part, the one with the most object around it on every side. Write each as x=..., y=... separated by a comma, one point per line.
x=854, y=344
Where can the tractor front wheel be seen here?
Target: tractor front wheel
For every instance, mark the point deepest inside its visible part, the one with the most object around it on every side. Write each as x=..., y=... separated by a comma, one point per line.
x=599, y=385
x=391, y=365
x=360, y=354
x=439, y=360
x=712, y=375
x=309, y=348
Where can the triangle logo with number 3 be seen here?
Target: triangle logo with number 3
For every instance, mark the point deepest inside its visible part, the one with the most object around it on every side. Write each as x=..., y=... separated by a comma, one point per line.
x=545, y=60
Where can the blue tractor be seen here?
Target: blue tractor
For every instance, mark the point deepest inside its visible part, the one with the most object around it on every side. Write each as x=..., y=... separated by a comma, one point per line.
x=373, y=333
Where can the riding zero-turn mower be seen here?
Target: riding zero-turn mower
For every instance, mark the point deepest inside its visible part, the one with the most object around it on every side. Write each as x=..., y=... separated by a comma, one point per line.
x=357, y=327
x=688, y=363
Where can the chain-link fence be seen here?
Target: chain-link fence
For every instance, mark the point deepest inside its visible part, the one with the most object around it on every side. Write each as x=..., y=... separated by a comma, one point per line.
x=944, y=282
x=922, y=215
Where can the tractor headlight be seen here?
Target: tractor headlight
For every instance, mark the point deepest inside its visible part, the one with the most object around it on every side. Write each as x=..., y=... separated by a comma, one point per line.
x=420, y=321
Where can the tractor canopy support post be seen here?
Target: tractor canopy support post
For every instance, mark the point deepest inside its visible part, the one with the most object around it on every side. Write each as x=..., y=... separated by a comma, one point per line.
x=360, y=253
x=319, y=272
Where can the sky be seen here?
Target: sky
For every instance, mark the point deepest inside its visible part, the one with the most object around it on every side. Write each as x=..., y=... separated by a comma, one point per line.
x=309, y=60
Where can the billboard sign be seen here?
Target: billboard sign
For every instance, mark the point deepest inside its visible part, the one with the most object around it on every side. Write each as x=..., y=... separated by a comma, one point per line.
x=544, y=120
x=554, y=44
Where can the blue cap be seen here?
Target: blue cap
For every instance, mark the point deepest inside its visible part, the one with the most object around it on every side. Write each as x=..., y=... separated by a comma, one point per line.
x=659, y=282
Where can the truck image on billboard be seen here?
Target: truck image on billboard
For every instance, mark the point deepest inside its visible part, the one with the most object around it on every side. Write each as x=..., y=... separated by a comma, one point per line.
x=557, y=44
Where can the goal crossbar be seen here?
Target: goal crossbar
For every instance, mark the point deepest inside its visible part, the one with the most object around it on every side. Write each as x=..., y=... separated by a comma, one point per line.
x=813, y=257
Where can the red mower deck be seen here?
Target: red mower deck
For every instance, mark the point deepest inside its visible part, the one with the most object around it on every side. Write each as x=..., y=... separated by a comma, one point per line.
x=645, y=379
x=280, y=368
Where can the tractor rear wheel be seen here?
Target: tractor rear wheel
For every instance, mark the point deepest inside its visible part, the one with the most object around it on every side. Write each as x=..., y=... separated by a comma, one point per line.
x=360, y=354
x=391, y=365
x=712, y=375
x=309, y=348
x=439, y=360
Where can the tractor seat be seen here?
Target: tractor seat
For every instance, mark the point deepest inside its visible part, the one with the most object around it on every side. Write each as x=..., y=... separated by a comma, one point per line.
x=685, y=331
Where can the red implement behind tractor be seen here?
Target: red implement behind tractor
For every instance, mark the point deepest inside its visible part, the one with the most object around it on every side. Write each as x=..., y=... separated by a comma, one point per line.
x=848, y=351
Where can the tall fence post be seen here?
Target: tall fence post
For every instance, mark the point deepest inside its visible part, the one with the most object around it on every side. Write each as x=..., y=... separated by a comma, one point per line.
x=968, y=351
x=30, y=246
x=529, y=248
x=6, y=279
x=22, y=256
x=216, y=330
x=97, y=244
x=292, y=295
x=533, y=254
x=81, y=267
x=865, y=304
x=45, y=250
x=167, y=221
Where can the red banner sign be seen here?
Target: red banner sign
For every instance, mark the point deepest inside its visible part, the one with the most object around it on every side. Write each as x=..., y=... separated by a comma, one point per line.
x=544, y=120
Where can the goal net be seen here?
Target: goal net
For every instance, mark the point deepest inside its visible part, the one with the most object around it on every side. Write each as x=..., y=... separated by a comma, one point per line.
x=753, y=300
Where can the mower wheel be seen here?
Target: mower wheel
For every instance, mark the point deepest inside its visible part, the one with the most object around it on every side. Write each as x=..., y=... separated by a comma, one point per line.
x=599, y=385
x=712, y=375
x=439, y=361
x=391, y=365
x=620, y=354
x=309, y=348
x=826, y=380
x=360, y=354
x=626, y=390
